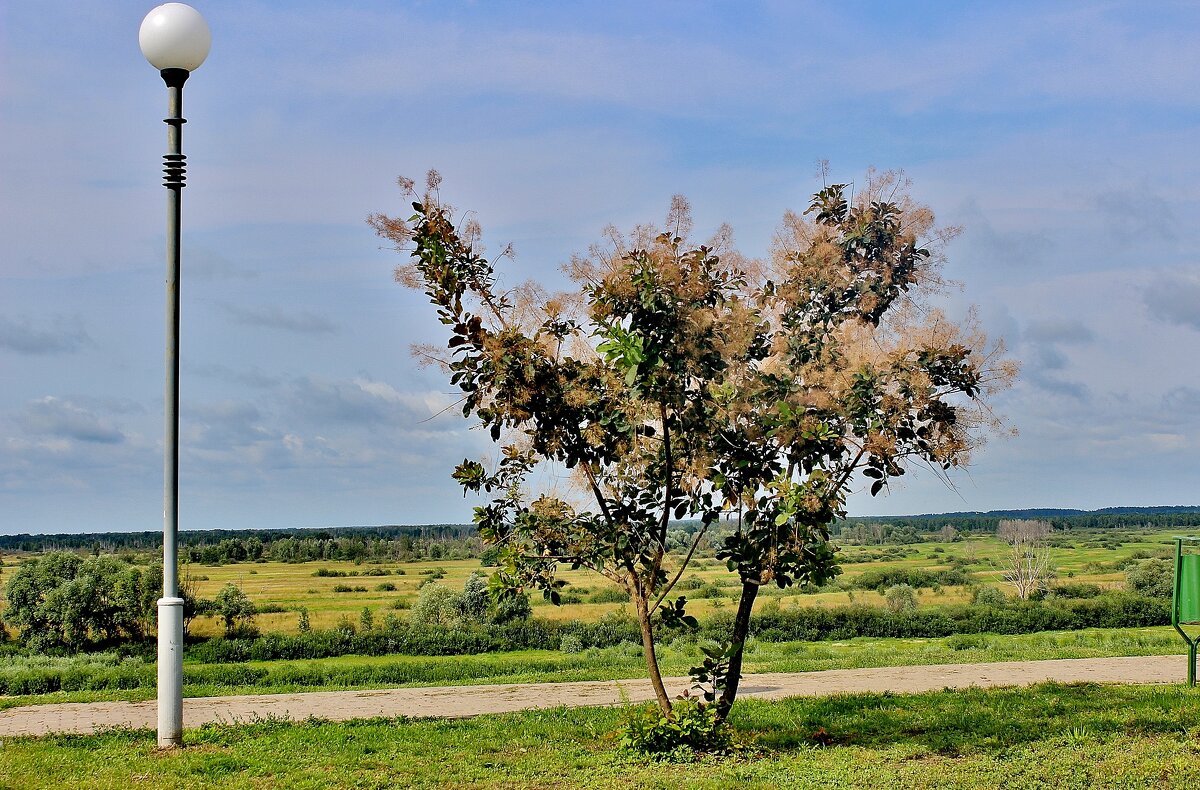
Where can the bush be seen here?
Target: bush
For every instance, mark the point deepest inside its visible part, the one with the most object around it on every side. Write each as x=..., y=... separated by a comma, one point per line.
x=1152, y=578
x=882, y=578
x=513, y=609
x=436, y=605
x=900, y=598
x=327, y=573
x=610, y=595
x=989, y=596
x=571, y=644
x=385, y=587
x=1077, y=590
x=235, y=609
x=342, y=588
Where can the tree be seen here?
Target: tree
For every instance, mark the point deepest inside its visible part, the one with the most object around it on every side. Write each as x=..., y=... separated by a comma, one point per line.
x=900, y=598
x=682, y=379
x=62, y=600
x=234, y=607
x=1027, y=567
x=436, y=605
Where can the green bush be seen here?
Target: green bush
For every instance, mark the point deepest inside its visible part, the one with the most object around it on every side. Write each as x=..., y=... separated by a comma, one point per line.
x=1077, y=590
x=571, y=644
x=342, y=588
x=882, y=578
x=609, y=595
x=1153, y=578
x=900, y=598
x=989, y=596
x=385, y=587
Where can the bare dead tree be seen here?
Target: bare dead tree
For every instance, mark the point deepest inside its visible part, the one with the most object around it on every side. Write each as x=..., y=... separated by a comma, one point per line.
x=1028, y=568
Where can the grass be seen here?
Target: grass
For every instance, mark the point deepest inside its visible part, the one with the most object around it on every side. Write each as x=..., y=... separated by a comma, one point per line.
x=1074, y=736
x=536, y=666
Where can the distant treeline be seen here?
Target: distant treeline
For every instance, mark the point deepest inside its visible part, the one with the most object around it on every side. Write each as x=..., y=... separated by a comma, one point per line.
x=914, y=529
x=220, y=546
x=460, y=541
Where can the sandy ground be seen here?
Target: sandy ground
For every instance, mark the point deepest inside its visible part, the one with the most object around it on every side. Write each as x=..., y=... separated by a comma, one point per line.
x=461, y=701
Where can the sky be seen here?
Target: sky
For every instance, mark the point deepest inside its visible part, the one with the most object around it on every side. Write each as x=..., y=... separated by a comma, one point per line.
x=1062, y=137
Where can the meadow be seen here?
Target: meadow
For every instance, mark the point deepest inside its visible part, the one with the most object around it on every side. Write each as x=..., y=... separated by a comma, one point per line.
x=281, y=589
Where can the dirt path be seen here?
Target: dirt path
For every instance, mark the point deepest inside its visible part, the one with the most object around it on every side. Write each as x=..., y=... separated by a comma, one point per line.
x=461, y=701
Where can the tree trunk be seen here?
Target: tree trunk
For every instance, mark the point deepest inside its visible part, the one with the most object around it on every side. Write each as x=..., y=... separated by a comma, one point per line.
x=741, y=627
x=643, y=613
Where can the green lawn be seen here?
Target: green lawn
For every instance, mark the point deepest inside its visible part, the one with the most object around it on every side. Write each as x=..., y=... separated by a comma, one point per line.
x=1052, y=736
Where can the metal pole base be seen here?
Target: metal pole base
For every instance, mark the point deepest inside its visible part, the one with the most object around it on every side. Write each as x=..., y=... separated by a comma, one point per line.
x=170, y=673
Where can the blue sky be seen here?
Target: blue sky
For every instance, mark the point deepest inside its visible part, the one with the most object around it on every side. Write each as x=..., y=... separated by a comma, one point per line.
x=1062, y=136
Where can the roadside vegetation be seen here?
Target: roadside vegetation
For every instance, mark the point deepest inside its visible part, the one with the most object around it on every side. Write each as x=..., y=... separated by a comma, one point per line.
x=943, y=600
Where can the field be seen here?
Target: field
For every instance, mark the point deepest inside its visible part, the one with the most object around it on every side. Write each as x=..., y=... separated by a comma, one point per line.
x=1096, y=558
x=1050, y=736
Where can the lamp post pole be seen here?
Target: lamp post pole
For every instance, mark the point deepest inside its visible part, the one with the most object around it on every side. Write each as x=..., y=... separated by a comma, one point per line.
x=170, y=606
x=175, y=39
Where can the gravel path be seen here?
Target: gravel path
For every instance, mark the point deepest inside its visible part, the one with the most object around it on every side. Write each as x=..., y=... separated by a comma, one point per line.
x=461, y=701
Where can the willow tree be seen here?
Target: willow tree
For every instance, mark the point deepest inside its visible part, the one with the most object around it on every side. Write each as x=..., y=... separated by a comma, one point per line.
x=681, y=379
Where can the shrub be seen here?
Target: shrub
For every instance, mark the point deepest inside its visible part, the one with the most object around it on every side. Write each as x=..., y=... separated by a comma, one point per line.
x=1077, y=590
x=436, y=605
x=474, y=600
x=609, y=595
x=342, y=588
x=235, y=609
x=1153, y=578
x=571, y=644
x=385, y=587
x=882, y=578
x=328, y=573
x=989, y=596
x=900, y=598
x=513, y=609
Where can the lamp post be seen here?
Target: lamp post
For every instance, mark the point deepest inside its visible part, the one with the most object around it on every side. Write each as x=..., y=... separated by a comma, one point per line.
x=175, y=39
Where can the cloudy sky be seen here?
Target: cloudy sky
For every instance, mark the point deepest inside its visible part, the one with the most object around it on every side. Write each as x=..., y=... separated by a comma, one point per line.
x=1062, y=136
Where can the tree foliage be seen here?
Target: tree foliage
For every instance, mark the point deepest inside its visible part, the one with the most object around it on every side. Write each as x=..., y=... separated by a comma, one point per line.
x=61, y=600
x=234, y=607
x=682, y=379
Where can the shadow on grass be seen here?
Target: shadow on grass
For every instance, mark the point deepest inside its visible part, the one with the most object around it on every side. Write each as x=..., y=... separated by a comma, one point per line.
x=971, y=720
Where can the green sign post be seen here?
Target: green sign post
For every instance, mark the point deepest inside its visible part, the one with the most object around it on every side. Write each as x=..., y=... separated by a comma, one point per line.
x=1185, y=605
